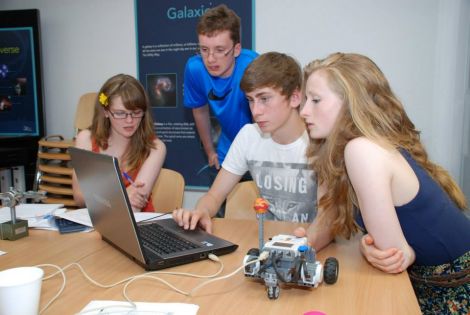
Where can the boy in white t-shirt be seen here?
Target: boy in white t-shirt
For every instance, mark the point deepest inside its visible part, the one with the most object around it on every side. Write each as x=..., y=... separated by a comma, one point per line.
x=273, y=149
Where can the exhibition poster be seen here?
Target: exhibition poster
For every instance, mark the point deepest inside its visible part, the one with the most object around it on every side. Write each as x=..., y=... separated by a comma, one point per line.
x=166, y=38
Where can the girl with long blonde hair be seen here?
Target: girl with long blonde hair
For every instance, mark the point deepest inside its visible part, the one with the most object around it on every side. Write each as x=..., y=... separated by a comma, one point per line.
x=375, y=175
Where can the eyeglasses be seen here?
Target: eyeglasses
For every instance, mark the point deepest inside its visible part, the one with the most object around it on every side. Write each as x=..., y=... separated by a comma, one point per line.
x=217, y=53
x=123, y=115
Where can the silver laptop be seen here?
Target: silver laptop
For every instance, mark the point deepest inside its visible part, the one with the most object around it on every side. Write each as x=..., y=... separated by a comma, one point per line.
x=110, y=211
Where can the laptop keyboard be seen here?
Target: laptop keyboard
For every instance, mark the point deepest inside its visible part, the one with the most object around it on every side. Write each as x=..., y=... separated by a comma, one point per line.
x=162, y=241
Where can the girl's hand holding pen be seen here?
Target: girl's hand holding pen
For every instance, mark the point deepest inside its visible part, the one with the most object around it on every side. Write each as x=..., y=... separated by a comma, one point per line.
x=137, y=197
x=128, y=178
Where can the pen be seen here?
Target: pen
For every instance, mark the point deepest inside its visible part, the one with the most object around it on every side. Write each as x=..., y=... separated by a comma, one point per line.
x=129, y=179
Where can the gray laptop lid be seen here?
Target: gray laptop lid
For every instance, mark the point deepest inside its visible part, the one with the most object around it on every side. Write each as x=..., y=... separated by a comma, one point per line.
x=106, y=198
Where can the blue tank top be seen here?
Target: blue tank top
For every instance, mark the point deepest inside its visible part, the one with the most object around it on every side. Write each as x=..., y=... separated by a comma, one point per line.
x=433, y=225
x=229, y=105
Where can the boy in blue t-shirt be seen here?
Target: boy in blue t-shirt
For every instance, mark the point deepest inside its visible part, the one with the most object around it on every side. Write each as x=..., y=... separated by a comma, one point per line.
x=212, y=78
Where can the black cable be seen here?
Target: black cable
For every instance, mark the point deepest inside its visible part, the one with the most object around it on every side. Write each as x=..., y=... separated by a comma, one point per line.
x=297, y=266
x=275, y=269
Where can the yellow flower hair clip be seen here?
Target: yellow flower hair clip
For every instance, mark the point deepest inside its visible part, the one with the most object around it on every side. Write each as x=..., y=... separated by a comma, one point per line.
x=103, y=99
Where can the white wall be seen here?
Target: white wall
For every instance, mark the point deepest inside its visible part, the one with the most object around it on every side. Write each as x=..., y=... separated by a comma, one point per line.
x=421, y=45
x=464, y=92
x=415, y=42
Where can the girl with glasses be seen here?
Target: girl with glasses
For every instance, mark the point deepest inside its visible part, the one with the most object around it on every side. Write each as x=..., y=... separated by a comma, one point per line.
x=123, y=127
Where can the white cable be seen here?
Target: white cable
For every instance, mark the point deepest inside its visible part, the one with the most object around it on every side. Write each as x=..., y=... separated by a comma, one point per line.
x=148, y=275
x=61, y=288
x=214, y=258
x=155, y=278
x=263, y=256
x=128, y=280
x=105, y=286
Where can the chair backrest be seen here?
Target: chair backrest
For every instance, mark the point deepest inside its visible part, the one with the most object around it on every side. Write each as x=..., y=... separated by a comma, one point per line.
x=85, y=111
x=53, y=170
x=240, y=201
x=168, y=191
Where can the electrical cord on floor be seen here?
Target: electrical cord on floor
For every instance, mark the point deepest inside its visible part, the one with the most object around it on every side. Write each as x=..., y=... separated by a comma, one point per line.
x=147, y=275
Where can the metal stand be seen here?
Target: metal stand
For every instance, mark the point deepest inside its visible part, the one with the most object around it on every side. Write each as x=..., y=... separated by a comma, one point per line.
x=261, y=206
x=15, y=229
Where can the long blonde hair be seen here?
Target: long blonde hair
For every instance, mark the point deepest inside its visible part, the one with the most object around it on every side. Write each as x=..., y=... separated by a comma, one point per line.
x=133, y=97
x=370, y=110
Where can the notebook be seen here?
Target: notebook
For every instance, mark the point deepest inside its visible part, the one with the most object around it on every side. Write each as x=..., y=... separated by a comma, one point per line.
x=110, y=211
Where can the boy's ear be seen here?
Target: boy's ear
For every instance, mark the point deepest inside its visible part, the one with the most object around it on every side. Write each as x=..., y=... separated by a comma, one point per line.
x=295, y=98
x=237, y=49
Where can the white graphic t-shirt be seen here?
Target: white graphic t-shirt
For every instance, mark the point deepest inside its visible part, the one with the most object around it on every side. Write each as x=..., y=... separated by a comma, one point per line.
x=280, y=171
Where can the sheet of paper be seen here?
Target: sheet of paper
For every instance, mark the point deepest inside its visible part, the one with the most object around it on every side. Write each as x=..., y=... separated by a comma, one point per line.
x=83, y=217
x=43, y=223
x=35, y=213
x=115, y=307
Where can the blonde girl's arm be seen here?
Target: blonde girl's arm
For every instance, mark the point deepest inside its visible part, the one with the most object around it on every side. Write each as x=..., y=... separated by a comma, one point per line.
x=370, y=172
x=390, y=260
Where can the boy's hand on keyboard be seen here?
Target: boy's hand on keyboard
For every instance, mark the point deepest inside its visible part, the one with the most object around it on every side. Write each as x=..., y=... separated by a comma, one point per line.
x=189, y=219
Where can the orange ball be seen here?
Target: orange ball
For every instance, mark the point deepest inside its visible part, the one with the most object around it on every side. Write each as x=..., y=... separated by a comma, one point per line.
x=261, y=205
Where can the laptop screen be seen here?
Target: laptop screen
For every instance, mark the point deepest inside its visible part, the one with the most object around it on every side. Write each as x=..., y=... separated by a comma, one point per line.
x=106, y=198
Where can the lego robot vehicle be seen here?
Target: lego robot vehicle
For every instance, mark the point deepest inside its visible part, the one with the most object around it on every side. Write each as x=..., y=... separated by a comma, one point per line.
x=288, y=259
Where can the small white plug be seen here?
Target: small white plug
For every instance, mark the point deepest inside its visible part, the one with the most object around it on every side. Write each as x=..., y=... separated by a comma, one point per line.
x=264, y=255
x=213, y=257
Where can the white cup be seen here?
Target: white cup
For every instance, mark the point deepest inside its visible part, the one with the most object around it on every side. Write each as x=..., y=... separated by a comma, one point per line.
x=20, y=290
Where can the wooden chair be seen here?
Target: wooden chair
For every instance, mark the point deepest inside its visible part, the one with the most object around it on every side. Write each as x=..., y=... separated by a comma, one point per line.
x=85, y=111
x=53, y=170
x=168, y=191
x=240, y=201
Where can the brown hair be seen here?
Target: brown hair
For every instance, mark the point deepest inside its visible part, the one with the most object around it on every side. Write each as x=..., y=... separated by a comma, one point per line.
x=133, y=97
x=275, y=70
x=371, y=110
x=218, y=19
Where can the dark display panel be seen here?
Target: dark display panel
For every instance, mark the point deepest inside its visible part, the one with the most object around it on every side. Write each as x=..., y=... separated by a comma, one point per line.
x=21, y=91
x=21, y=97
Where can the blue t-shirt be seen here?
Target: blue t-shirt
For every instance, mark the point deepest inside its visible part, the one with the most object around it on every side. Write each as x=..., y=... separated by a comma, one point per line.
x=433, y=225
x=229, y=105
